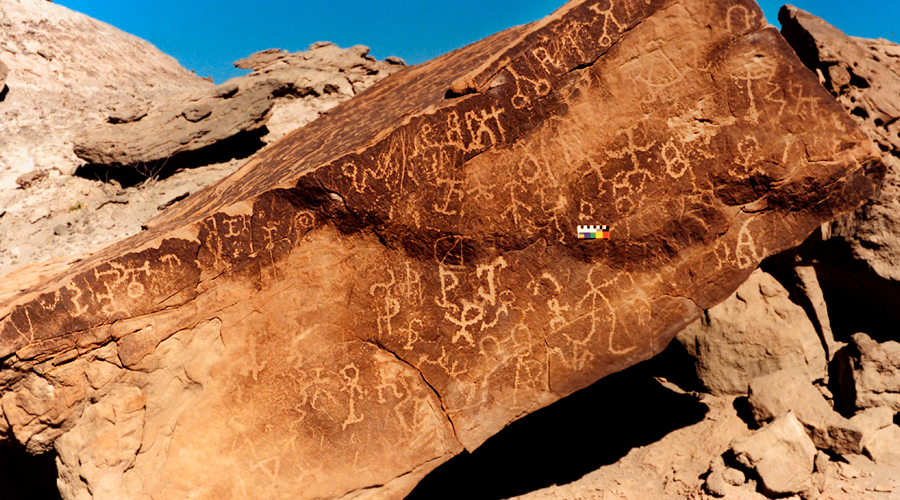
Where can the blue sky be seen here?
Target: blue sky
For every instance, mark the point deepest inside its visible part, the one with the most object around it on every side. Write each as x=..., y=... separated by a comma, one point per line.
x=208, y=35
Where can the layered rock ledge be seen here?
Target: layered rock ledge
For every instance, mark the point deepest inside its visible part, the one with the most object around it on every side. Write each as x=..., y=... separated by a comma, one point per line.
x=402, y=278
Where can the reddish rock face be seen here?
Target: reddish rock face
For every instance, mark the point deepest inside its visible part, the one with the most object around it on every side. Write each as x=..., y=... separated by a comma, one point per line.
x=403, y=277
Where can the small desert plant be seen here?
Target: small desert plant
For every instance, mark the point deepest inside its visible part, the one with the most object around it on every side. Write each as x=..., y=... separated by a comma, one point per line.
x=150, y=171
x=76, y=206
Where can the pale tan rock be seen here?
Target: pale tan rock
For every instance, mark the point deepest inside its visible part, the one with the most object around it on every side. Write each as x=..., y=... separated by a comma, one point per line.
x=860, y=266
x=93, y=68
x=716, y=484
x=93, y=456
x=775, y=394
x=28, y=179
x=756, y=331
x=260, y=59
x=809, y=285
x=4, y=70
x=884, y=446
x=781, y=454
x=196, y=128
x=869, y=373
x=865, y=78
x=872, y=420
x=733, y=476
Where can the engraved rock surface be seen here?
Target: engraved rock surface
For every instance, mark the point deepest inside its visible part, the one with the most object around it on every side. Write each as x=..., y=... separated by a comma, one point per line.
x=401, y=279
x=228, y=120
x=756, y=331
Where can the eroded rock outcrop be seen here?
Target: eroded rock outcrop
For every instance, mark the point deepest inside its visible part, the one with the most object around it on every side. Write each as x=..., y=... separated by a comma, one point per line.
x=861, y=274
x=67, y=72
x=868, y=373
x=402, y=278
x=156, y=139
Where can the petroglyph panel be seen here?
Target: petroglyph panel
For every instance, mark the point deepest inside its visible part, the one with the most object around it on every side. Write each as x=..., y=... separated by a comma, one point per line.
x=402, y=278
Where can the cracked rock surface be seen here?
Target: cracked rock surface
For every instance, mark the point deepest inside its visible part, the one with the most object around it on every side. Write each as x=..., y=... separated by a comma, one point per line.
x=402, y=278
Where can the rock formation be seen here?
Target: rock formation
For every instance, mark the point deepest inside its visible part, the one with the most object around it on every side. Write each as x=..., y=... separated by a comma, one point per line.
x=756, y=331
x=66, y=73
x=773, y=395
x=402, y=278
x=154, y=135
x=781, y=454
x=869, y=373
x=860, y=268
x=213, y=125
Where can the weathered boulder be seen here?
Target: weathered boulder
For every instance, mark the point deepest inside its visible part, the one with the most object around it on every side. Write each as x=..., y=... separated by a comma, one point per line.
x=756, y=331
x=721, y=476
x=868, y=373
x=781, y=454
x=261, y=59
x=147, y=140
x=29, y=179
x=775, y=394
x=872, y=420
x=403, y=277
x=884, y=446
x=228, y=120
x=863, y=75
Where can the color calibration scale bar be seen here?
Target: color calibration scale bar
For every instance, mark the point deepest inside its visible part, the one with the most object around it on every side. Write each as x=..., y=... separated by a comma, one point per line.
x=593, y=232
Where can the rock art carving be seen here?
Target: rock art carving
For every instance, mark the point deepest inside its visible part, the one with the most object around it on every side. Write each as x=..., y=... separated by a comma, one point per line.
x=402, y=278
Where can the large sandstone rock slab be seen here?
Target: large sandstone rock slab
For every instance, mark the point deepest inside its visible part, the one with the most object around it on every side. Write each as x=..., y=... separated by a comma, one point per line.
x=773, y=395
x=781, y=454
x=402, y=278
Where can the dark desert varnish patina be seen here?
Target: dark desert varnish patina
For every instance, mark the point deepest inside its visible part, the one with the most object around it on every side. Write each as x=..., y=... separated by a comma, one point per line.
x=403, y=277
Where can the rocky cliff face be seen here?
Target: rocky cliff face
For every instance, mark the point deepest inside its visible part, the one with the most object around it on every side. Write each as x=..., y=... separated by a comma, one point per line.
x=860, y=265
x=139, y=129
x=403, y=277
x=67, y=72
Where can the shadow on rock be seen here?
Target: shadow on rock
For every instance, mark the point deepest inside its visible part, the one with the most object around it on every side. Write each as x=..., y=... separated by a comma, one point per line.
x=570, y=438
x=27, y=477
x=240, y=146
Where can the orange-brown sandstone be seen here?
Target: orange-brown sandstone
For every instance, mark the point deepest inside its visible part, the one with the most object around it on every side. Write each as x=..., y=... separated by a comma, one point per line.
x=401, y=279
